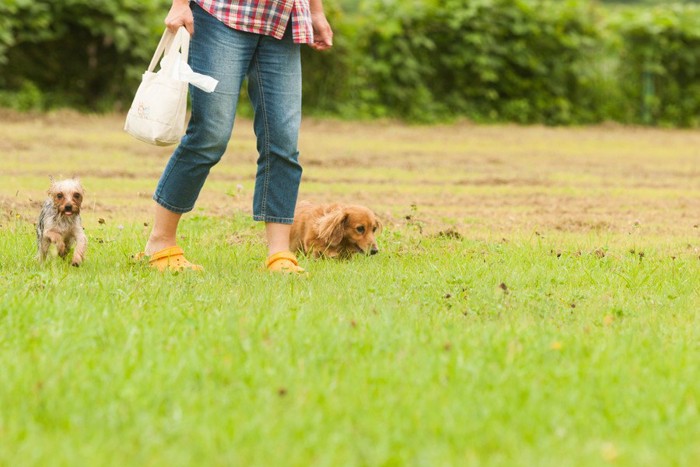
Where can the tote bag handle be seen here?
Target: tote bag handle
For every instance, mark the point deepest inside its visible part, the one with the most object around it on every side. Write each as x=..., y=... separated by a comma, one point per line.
x=179, y=40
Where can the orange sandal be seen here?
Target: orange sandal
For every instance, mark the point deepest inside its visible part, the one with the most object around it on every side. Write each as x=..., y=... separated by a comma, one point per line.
x=172, y=259
x=284, y=262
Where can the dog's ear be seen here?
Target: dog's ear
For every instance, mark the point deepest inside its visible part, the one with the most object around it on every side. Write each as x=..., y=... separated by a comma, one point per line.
x=380, y=226
x=331, y=227
x=52, y=187
x=81, y=188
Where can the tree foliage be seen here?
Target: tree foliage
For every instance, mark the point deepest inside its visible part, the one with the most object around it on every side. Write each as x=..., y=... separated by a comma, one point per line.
x=528, y=61
x=660, y=65
x=510, y=60
x=77, y=52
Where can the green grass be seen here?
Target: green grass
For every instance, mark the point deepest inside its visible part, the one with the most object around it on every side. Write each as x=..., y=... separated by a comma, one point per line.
x=418, y=356
x=539, y=307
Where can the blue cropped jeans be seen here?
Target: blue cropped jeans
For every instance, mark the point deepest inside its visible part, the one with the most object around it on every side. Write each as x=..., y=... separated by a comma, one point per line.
x=273, y=69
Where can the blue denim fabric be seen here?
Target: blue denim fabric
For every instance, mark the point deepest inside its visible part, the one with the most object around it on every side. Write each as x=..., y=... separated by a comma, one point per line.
x=273, y=69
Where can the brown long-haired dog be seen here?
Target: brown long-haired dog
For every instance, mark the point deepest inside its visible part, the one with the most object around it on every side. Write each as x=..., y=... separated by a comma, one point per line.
x=334, y=230
x=59, y=221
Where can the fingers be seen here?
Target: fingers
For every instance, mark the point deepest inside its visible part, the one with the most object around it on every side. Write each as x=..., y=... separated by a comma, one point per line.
x=321, y=44
x=323, y=35
x=180, y=15
x=173, y=26
x=319, y=47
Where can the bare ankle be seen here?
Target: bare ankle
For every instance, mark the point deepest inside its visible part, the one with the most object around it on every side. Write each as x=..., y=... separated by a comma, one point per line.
x=157, y=243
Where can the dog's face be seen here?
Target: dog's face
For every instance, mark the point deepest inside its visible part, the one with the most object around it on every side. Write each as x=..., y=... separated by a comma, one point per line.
x=351, y=229
x=67, y=196
x=361, y=226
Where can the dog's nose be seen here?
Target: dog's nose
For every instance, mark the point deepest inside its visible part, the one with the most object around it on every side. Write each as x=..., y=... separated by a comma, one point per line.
x=374, y=250
x=68, y=208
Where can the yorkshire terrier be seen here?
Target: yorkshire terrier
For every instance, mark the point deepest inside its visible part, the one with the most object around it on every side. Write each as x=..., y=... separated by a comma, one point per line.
x=59, y=221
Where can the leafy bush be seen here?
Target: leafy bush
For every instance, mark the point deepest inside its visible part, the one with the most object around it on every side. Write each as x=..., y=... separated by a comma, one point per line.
x=660, y=66
x=527, y=61
x=511, y=60
x=78, y=52
x=328, y=77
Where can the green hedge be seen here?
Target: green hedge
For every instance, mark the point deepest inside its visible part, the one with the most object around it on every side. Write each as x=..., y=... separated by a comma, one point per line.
x=79, y=53
x=527, y=61
x=660, y=64
x=524, y=61
x=488, y=59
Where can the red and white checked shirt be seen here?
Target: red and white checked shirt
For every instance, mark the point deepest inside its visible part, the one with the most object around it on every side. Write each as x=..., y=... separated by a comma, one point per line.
x=268, y=17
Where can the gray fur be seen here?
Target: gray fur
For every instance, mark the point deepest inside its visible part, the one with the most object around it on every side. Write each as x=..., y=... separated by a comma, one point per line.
x=54, y=226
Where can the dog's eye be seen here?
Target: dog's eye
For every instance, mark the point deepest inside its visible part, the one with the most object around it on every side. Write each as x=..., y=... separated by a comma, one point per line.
x=374, y=229
x=361, y=229
x=76, y=196
x=59, y=196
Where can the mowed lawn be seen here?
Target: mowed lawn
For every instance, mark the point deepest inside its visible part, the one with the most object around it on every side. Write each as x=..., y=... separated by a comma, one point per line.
x=535, y=302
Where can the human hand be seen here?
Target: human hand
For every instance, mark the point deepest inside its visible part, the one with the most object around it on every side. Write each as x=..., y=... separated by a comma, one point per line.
x=180, y=14
x=323, y=34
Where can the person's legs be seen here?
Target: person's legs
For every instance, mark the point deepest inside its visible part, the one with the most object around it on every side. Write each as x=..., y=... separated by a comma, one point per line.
x=277, y=236
x=224, y=54
x=164, y=230
x=274, y=86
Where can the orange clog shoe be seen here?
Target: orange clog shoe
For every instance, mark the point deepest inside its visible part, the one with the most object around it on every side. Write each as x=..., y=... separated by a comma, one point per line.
x=172, y=259
x=284, y=262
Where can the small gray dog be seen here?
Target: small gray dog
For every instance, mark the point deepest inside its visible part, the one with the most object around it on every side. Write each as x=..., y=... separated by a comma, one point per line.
x=59, y=221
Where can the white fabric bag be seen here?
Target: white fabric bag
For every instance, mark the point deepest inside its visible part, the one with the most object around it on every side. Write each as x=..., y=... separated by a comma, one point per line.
x=158, y=112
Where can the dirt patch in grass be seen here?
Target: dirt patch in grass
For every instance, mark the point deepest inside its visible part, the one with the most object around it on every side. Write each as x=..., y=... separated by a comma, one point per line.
x=449, y=178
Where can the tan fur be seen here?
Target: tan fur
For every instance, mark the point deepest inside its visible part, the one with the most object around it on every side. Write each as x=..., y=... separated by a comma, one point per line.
x=334, y=230
x=59, y=221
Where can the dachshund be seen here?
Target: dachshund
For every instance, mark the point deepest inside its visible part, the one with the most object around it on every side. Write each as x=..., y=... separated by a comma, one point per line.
x=334, y=230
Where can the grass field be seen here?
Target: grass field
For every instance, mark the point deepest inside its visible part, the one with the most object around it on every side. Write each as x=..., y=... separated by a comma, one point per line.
x=535, y=302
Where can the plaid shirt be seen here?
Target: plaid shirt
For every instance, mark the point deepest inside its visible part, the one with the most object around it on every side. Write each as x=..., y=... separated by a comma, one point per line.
x=268, y=17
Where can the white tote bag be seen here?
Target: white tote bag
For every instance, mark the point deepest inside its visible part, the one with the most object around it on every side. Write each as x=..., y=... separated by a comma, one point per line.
x=158, y=112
